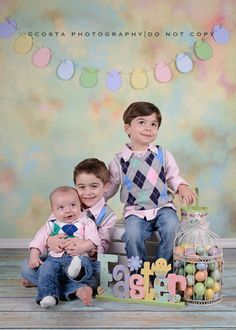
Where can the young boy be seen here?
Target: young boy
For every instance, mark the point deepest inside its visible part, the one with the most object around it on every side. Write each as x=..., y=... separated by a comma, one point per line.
x=66, y=207
x=91, y=178
x=145, y=172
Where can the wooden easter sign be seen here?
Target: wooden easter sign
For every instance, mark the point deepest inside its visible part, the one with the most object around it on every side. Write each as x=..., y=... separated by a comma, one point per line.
x=122, y=286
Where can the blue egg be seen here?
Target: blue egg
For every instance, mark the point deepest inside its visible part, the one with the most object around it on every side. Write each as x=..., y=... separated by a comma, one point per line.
x=201, y=266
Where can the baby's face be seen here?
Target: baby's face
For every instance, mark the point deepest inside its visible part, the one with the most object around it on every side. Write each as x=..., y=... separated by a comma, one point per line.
x=90, y=189
x=66, y=206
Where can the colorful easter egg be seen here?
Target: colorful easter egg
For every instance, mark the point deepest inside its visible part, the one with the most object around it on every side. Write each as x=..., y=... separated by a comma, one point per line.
x=200, y=250
x=190, y=269
x=188, y=292
x=220, y=34
x=215, y=275
x=113, y=80
x=190, y=280
x=200, y=276
x=139, y=79
x=216, y=287
x=202, y=50
x=201, y=266
x=213, y=251
x=183, y=63
x=180, y=271
x=211, y=266
x=89, y=77
x=162, y=72
x=179, y=250
x=209, y=282
x=190, y=251
x=209, y=294
x=7, y=28
x=199, y=289
x=66, y=70
x=41, y=57
x=23, y=44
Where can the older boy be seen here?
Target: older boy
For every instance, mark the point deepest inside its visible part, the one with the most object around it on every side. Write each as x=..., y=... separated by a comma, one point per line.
x=145, y=172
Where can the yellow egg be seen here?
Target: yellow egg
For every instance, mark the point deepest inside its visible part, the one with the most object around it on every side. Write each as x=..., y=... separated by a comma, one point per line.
x=216, y=287
x=209, y=294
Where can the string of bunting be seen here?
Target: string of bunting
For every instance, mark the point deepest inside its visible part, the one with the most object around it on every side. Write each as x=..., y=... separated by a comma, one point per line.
x=88, y=78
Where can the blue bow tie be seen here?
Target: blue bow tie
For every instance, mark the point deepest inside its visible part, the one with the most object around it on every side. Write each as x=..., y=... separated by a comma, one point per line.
x=69, y=229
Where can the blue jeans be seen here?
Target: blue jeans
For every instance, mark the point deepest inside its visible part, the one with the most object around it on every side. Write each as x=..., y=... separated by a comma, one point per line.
x=53, y=279
x=32, y=276
x=138, y=230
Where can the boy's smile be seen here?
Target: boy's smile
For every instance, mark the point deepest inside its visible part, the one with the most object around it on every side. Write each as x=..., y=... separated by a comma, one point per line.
x=142, y=131
x=90, y=189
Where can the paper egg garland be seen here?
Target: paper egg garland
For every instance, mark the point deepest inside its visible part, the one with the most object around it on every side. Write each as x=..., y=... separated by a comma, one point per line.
x=183, y=63
x=89, y=77
x=162, y=72
x=7, y=28
x=66, y=70
x=139, y=79
x=41, y=57
x=113, y=80
x=23, y=44
x=220, y=34
x=202, y=50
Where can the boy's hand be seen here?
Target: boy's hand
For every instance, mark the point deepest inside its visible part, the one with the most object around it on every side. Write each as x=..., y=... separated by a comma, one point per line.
x=74, y=246
x=35, y=262
x=55, y=243
x=186, y=194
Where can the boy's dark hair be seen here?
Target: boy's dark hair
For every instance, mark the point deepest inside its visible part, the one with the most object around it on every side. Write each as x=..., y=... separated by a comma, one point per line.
x=92, y=166
x=141, y=109
x=61, y=189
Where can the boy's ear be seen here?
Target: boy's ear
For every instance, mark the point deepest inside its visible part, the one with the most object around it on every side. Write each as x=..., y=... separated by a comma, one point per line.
x=106, y=187
x=127, y=128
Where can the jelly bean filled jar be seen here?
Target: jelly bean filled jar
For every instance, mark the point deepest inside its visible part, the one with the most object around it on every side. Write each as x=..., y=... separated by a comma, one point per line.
x=198, y=256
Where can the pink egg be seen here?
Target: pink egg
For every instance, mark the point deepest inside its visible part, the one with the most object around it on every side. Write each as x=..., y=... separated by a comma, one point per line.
x=200, y=276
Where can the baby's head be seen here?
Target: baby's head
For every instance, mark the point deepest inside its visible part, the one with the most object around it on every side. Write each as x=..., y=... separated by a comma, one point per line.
x=65, y=204
x=141, y=109
x=91, y=179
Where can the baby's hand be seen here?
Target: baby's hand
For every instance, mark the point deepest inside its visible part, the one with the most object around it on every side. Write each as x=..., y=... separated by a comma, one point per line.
x=55, y=243
x=34, y=262
x=186, y=194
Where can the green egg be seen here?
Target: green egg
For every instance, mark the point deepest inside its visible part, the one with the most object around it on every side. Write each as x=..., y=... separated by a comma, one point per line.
x=211, y=266
x=200, y=250
x=190, y=269
x=209, y=282
x=180, y=271
x=199, y=289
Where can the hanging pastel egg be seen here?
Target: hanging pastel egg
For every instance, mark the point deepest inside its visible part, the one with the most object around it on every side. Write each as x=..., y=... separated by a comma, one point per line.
x=139, y=79
x=88, y=77
x=202, y=50
x=41, y=57
x=113, y=80
x=220, y=34
x=66, y=70
x=23, y=44
x=162, y=72
x=7, y=28
x=183, y=63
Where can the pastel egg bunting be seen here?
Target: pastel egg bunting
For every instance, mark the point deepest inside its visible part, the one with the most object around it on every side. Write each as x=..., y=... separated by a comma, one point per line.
x=183, y=63
x=66, y=70
x=220, y=34
x=139, y=79
x=41, y=57
x=23, y=44
x=202, y=50
x=113, y=80
x=162, y=72
x=7, y=28
x=88, y=77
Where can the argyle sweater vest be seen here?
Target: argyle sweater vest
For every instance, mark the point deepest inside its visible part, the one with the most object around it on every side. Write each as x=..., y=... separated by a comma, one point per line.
x=69, y=229
x=143, y=182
